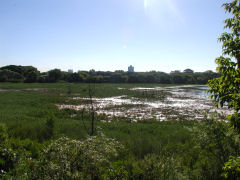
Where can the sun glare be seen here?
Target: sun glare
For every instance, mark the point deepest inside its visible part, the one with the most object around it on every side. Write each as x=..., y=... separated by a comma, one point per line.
x=156, y=10
x=146, y=3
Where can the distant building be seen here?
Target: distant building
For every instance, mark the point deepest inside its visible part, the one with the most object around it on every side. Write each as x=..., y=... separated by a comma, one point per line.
x=130, y=68
x=188, y=71
x=175, y=72
x=70, y=71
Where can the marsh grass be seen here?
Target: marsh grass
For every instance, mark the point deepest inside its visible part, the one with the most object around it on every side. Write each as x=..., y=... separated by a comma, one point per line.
x=149, y=136
x=26, y=111
x=153, y=148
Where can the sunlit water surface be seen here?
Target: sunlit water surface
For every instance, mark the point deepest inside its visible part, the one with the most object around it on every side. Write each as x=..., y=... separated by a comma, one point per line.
x=174, y=103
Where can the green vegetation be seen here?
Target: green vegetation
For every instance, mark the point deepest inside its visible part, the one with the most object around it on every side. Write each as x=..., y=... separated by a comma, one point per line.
x=14, y=73
x=226, y=88
x=30, y=74
x=40, y=141
x=27, y=109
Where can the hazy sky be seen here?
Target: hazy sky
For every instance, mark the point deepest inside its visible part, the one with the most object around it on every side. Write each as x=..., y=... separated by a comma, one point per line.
x=161, y=35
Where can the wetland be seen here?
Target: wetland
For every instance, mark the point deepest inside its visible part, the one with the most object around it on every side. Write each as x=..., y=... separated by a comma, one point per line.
x=185, y=102
x=159, y=130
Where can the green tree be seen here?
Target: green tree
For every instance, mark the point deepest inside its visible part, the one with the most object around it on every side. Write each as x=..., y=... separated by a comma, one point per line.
x=226, y=88
x=74, y=77
x=18, y=73
x=54, y=75
x=32, y=76
x=10, y=76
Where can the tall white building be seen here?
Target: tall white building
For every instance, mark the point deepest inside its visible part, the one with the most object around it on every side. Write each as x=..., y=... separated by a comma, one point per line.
x=130, y=68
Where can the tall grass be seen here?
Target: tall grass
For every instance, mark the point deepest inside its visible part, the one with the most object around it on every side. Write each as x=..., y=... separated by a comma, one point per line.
x=25, y=110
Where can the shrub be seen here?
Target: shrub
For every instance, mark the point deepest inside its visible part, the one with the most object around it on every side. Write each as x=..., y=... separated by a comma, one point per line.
x=66, y=158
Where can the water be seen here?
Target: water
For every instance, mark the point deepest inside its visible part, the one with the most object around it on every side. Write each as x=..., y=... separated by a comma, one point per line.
x=179, y=103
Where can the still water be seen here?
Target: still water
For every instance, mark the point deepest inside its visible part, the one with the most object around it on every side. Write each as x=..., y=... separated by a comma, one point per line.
x=189, y=102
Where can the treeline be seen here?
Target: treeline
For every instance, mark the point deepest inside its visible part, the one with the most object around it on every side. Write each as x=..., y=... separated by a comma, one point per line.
x=29, y=74
x=14, y=73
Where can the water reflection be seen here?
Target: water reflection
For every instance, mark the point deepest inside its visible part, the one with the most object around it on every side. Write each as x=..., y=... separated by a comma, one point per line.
x=179, y=103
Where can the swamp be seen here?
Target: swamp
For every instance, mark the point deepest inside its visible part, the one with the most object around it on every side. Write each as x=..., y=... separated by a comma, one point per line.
x=164, y=131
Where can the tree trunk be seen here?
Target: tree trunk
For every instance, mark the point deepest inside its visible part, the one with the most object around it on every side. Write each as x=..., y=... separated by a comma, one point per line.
x=92, y=120
x=90, y=93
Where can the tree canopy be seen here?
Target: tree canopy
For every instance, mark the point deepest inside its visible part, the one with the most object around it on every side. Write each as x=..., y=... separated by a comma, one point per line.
x=29, y=74
x=225, y=89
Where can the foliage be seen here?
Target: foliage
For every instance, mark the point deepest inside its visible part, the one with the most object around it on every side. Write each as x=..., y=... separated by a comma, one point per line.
x=54, y=75
x=16, y=155
x=10, y=76
x=14, y=73
x=29, y=74
x=92, y=158
x=225, y=90
x=50, y=123
x=7, y=156
x=117, y=170
x=156, y=167
x=232, y=168
x=180, y=150
x=3, y=133
x=215, y=144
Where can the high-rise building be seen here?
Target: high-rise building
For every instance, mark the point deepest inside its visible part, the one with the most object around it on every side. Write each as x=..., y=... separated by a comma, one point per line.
x=130, y=68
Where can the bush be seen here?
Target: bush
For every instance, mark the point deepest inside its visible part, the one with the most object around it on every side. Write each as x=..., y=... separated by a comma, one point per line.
x=92, y=158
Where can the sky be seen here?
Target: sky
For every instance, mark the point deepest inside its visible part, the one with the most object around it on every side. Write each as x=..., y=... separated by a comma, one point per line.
x=109, y=35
